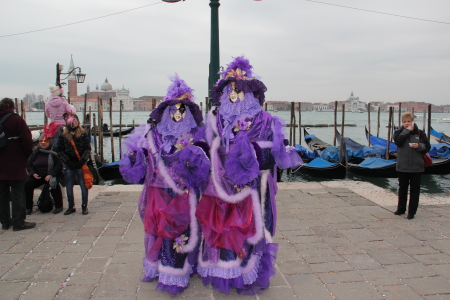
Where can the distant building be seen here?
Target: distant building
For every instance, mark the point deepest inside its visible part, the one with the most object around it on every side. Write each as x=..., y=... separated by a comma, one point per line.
x=105, y=93
x=146, y=103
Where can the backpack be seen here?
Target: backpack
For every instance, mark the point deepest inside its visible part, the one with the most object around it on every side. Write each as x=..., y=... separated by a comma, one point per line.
x=45, y=201
x=3, y=138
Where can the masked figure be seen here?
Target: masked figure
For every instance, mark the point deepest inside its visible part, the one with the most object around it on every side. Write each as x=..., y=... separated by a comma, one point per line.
x=237, y=212
x=168, y=155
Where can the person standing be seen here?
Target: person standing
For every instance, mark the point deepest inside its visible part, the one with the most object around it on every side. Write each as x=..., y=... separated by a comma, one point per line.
x=44, y=166
x=73, y=143
x=411, y=143
x=13, y=162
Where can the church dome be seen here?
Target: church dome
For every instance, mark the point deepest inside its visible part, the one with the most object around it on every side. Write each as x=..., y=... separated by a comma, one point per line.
x=106, y=86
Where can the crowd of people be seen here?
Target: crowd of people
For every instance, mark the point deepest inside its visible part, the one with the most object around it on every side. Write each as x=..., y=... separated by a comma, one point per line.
x=56, y=161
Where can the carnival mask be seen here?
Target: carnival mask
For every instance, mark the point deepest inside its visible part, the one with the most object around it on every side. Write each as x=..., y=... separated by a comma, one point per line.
x=235, y=94
x=177, y=112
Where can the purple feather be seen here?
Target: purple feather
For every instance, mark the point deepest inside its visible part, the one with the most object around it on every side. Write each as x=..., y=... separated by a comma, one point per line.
x=178, y=88
x=239, y=62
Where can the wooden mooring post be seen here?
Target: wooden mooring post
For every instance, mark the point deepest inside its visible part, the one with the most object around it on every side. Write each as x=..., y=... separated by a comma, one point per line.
x=111, y=129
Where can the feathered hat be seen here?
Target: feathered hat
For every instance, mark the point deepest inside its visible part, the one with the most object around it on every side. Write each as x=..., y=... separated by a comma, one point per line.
x=177, y=92
x=239, y=71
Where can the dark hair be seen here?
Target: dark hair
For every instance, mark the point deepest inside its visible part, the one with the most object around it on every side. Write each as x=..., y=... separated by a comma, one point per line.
x=7, y=102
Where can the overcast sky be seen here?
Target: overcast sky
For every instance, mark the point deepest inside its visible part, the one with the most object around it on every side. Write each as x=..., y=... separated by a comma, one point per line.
x=302, y=50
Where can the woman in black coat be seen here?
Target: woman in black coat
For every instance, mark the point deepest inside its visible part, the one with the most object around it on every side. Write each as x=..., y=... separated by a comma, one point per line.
x=411, y=143
x=44, y=166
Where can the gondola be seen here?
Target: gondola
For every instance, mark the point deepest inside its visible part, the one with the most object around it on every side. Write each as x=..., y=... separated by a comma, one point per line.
x=109, y=171
x=380, y=142
x=116, y=132
x=374, y=167
x=368, y=166
x=319, y=167
x=440, y=137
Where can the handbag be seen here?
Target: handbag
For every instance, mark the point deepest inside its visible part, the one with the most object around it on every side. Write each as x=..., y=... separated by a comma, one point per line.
x=87, y=175
x=45, y=201
x=427, y=160
x=426, y=157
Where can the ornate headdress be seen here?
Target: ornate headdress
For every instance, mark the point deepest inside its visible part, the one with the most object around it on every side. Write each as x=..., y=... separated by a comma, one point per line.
x=178, y=92
x=239, y=75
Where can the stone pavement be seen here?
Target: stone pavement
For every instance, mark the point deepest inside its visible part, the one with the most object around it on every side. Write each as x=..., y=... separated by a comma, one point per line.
x=333, y=244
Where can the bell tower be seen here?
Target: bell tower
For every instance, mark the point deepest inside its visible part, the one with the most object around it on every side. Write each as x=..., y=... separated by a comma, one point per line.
x=72, y=80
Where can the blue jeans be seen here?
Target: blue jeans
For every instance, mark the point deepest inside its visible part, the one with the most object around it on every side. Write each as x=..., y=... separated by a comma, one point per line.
x=12, y=190
x=69, y=176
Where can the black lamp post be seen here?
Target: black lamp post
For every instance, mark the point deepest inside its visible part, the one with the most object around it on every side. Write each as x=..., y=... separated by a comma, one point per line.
x=214, y=62
x=79, y=76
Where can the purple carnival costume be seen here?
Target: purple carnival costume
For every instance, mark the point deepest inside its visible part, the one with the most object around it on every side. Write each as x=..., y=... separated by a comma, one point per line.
x=237, y=212
x=168, y=157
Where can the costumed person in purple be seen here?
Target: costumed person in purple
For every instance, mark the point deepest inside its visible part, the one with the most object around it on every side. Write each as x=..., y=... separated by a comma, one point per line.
x=168, y=156
x=237, y=212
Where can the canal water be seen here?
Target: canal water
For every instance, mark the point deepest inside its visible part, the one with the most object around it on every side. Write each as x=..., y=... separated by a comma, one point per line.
x=430, y=183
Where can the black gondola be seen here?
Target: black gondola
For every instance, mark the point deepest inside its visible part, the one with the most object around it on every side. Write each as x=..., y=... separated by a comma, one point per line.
x=319, y=167
x=116, y=132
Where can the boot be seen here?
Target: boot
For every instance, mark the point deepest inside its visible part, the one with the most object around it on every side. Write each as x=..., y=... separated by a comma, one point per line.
x=70, y=210
x=84, y=209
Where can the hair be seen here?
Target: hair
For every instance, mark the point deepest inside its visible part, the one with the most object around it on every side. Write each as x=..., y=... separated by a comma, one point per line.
x=408, y=115
x=77, y=132
x=7, y=102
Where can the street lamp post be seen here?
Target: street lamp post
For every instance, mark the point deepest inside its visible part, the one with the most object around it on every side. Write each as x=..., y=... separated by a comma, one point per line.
x=79, y=76
x=214, y=64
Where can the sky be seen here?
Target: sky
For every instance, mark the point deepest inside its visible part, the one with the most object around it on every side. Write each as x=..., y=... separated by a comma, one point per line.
x=303, y=50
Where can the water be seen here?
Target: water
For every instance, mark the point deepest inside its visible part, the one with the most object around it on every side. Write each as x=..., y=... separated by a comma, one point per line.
x=430, y=183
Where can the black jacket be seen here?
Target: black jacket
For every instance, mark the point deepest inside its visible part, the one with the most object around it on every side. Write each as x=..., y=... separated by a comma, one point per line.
x=410, y=160
x=66, y=152
x=56, y=171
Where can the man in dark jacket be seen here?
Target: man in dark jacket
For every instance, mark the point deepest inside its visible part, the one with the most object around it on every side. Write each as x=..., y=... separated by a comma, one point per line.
x=13, y=162
x=411, y=143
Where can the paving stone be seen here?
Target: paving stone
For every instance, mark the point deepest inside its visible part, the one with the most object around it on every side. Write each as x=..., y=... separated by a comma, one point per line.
x=411, y=270
x=419, y=250
x=439, y=244
x=438, y=297
x=304, y=239
x=9, y=260
x=128, y=247
x=399, y=292
x=360, y=235
x=6, y=245
x=22, y=248
x=294, y=268
x=323, y=259
x=331, y=267
x=326, y=232
x=26, y=270
x=67, y=260
x=354, y=291
x=388, y=256
x=426, y=235
x=340, y=277
x=13, y=290
x=443, y=270
x=429, y=285
x=53, y=275
x=102, y=251
x=84, y=278
x=362, y=262
x=77, y=292
x=433, y=259
x=41, y=290
x=89, y=231
x=93, y=265
x=380, y=277
x=404, y=241
x=308, y=287
x=114, y=231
